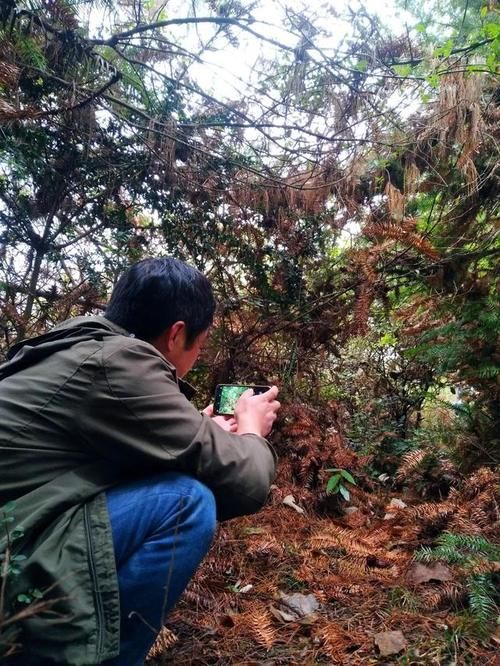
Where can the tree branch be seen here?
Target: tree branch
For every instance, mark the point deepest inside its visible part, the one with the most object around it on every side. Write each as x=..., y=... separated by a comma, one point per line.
x=217, y=20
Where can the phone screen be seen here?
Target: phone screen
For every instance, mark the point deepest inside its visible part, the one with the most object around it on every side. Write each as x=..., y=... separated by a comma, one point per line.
x=227, y=395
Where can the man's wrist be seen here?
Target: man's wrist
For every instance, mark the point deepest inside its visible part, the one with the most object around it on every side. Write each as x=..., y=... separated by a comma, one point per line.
x=248, y=427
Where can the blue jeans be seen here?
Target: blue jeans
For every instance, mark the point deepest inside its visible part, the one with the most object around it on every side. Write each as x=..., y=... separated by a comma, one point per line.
x=162, y=528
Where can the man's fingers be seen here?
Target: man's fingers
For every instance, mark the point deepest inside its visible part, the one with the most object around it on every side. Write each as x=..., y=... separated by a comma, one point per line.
x=272, y=393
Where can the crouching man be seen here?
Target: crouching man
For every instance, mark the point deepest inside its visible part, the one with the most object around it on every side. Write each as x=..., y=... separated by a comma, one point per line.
x=117, y=480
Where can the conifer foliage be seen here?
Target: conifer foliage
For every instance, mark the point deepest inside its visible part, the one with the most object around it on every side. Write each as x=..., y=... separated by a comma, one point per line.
x=344, y=203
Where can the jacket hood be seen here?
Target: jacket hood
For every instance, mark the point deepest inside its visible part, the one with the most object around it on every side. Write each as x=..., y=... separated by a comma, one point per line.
x=80, y=329
x=71, y=332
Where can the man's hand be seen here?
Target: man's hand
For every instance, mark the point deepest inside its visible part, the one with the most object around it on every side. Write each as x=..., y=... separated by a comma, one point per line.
x=227, y=423
x=257, y=413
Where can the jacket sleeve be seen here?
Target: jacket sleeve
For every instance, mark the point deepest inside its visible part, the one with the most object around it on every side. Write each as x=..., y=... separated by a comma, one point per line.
x=136, y=417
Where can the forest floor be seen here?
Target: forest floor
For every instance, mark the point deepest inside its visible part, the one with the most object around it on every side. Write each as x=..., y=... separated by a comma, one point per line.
x=332, y=587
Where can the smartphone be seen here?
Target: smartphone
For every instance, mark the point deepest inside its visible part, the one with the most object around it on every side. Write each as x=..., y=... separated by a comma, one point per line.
x=227, y=395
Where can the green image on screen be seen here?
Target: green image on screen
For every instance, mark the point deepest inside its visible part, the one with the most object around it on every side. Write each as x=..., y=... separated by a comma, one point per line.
x=229, y=397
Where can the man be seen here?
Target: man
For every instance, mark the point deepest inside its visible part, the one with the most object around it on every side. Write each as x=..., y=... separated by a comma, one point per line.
x=117, y=479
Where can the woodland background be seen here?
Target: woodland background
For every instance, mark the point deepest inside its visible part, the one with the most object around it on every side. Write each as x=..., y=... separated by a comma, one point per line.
x=342, y=197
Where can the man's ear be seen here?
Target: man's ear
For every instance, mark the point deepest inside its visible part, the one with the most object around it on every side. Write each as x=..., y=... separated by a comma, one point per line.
x=175, y=336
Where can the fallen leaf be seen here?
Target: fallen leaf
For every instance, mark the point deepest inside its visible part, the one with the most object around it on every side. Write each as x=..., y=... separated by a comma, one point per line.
x=420, y=573
x=396, y=503
x=289, y=500
x=245, y=588
x=252, y=530
x=309, y=619
x=282, y=615
x=299, y=604
x=390, y=642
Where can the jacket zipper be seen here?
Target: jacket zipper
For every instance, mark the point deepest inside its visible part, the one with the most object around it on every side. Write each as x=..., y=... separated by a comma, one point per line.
x=95, y=588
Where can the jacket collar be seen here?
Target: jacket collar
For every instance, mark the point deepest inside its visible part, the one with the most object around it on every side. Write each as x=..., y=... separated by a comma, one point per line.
x=185, y=387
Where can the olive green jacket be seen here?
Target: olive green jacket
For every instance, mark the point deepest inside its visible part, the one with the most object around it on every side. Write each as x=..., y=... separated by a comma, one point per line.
x=84, y=408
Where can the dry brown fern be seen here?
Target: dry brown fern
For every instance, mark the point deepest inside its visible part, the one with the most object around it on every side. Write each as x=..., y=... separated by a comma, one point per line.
x=448, y=592
x=410, y=461
x=334, y=642
x=478, y=482
x=461, y=525
x=365, y=295
x=257, y=624
x=352, y=567
x=342, y=592
x=397, y=232
x=429, y=512
x=164, y=641
x=339, y=538
x=265, y=547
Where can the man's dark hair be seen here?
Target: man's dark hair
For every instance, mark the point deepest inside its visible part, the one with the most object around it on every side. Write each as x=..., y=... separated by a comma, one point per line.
x=155, y=293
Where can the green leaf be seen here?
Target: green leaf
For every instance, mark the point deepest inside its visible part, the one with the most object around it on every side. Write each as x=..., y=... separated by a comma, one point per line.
x=492, y=63
x=361, y=65
x=445, y=50
x=492, y=30
x=348, y=476
x=345, y=493
x=433, y=80
x=475, y=68
x=333, y=482
x=421, y=27
x=252, y=530
x=403, y=70
x=24, y=598
x=387, y=340
x=18, y=558
x=484, y=11
x=36, y=593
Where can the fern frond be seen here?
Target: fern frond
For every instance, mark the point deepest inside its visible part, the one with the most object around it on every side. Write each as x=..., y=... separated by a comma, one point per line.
x=465, y=526
x=447, y=593
x=424, y=554
x=339, y=538
x=259, y=626
x=352, y=567
x=481, y=597
x=430, y=512
x=488, y=371
x=165, y=640
x=471, y=543
x=479, y=517
x=334, y=641
x=481, y=480
x=393, y=231
x=411, y=461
